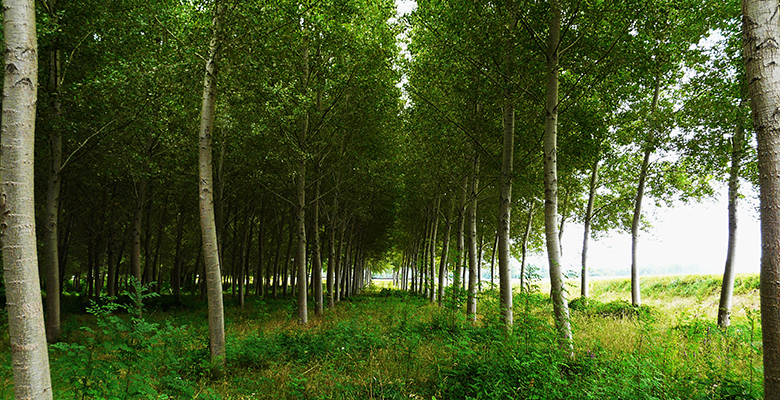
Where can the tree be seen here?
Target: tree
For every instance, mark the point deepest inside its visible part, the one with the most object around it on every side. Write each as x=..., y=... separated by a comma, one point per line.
x=27, y=334
x=761, y=37
x=207, y=221
x=560, y=305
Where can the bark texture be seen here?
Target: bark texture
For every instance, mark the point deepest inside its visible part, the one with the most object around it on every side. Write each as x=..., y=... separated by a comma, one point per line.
x=636, y=296
x=761, y=41
x=206, y=196
x=471, y=300
x=560, y=305
x=29, y=356
x=594, y=177
x=504, y=214
x=727, y=287
x=52, y=213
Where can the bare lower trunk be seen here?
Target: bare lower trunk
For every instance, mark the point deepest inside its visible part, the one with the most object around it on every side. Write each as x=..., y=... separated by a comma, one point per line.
x=594, y=176
x=300, y=255
x=762, y=67
x=29, y=356
x=316, y=258
x=560, y=305
x=432, y=251
x=471, y=302
x=505, y=212
x=52, y=215
x=636, y=297
x=460, y=249
x=445, y=248
x=135, y=250
x=727, y=288
x=206, y=199
x=524, y=246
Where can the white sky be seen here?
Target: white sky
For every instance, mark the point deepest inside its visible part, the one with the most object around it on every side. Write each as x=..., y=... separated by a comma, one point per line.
x=693, y=235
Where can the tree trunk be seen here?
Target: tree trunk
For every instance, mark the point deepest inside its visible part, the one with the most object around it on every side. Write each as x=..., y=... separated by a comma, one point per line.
x=445, y=248
x=177, y=257
x=316, y=257
x=524, y=247
x=594, y=176
x=471, y=302
x=504, y=213
x=727, y=288
x=560, y=305
x=52, y=214
x=636, y=297
x=300, y=257
x=260, y=283
x=206, y=199
x=135, y=251
x=29, y=355
x=432, y=252
x=762, y=65
x=286, y=272
x=460, y=245
x=332, y=254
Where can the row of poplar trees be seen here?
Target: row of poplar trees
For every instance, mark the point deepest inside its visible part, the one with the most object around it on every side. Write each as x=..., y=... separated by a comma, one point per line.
x=300, y=125
x=577, y=111
x=297, y=118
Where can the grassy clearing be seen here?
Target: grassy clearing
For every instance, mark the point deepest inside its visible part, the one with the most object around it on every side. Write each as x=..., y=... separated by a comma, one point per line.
x=388, y=344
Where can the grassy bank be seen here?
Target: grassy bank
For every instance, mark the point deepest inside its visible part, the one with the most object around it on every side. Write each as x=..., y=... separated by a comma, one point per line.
x=388, y=344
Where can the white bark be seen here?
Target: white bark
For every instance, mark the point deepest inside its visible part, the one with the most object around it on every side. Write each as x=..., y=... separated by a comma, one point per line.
x=29, y=356
x=504, y=213
x=206, y=196
x=560, y=305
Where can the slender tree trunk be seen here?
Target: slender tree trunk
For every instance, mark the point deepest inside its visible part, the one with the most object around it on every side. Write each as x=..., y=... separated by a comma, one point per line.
x=286, y=272
x=432, y=251
x=560, y=305
x=300, y=257
x=762, y=66
x=727, y=288
x=636, y=297
x=135, y=252
x=445, y=248
x=207, y=221
x=316, y=257
x=460, y=245
x=504, y=213
x=338, y=265
x=259, y=283
x=594, y=176
x=524, y=247
x=29, y=355
x=471, y=303
x=177, y=257
x=52, y=214
x=332, y=253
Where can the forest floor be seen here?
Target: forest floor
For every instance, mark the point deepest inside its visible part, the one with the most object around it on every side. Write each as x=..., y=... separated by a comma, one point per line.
x=388, y=344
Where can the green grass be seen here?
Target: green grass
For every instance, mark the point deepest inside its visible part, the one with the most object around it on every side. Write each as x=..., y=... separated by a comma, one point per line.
x=388, y=344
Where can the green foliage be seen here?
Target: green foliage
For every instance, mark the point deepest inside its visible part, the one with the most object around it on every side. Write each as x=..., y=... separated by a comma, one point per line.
x=612, y=309
x=128, y=356
x=394, y=345
x=697, y=286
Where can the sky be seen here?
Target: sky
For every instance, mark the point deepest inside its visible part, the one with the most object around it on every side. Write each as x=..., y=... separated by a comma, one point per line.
x=689, y=235
x=692, y=235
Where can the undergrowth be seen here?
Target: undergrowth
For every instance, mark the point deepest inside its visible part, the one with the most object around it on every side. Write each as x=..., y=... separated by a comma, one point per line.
x=391, y=344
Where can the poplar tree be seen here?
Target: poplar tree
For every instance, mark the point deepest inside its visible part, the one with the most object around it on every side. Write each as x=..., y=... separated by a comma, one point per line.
x=26, y=330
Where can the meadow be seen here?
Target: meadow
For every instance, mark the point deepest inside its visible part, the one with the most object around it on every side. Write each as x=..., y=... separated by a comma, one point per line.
x=389, y=344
